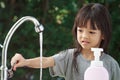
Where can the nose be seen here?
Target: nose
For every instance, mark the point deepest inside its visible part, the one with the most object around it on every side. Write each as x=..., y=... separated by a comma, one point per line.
x=85, y=34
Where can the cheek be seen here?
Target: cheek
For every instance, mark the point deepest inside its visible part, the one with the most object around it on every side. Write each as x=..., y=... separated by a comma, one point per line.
x=97, y=39
x=78, y=37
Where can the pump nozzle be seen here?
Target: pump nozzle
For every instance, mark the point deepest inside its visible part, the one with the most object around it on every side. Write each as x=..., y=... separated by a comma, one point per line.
x=97, y=53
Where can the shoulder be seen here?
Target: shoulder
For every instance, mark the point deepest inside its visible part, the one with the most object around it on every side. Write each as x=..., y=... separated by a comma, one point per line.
x=109, y=59
x=112, y=66
x=65, y=54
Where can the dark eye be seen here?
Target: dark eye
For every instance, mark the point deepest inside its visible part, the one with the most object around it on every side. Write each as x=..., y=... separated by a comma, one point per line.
x=91, y=32
x=80, y=30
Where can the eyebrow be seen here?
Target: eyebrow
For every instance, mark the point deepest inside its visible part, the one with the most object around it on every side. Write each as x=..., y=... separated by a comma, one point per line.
x=89, y=29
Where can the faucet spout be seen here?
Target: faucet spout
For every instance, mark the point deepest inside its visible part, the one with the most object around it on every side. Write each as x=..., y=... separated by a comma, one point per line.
x=38, y=28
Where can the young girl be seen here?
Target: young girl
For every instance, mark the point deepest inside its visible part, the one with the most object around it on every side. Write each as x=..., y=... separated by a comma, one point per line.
x=92, y=29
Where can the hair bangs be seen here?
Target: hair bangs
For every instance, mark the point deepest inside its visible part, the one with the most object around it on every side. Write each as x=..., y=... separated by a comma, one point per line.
x=84, y=19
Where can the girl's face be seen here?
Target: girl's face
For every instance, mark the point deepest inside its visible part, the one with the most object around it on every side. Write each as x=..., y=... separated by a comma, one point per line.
x=88, y=37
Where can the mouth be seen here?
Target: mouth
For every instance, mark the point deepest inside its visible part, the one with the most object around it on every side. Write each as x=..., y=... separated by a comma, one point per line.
x=85, y=42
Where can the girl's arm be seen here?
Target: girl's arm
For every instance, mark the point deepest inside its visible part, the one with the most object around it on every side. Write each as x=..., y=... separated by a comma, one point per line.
x=19, y=61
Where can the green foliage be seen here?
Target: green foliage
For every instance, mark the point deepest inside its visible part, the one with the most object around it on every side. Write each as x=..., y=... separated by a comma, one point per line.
x=57, y=16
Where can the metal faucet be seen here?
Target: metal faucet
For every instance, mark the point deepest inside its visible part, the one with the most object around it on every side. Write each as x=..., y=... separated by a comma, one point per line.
x=38, y=28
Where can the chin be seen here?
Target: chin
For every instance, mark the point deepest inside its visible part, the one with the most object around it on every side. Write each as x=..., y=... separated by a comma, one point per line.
x=86, y=47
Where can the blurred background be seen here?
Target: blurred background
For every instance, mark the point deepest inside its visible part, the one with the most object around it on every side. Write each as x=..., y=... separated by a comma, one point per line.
x=57, y=17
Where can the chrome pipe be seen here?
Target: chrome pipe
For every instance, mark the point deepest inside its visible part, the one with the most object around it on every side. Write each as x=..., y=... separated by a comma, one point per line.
x=38, y=28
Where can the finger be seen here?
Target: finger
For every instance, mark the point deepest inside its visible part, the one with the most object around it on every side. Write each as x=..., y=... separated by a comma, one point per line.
x=14, y=68
x=15, y=59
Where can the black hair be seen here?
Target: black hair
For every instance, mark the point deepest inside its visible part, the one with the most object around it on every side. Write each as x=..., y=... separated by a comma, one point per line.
x=99, y=16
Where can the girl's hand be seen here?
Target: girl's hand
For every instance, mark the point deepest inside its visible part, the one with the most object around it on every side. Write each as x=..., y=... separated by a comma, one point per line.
x=18, y=61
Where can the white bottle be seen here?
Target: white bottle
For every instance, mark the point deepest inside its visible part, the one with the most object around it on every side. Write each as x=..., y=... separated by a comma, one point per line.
x=96, y=71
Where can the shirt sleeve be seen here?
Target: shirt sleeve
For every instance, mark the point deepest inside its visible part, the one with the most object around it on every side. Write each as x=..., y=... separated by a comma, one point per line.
x=61, y=61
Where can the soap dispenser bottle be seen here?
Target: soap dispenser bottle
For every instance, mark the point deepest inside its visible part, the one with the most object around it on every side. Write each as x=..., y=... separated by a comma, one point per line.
x=96, y=71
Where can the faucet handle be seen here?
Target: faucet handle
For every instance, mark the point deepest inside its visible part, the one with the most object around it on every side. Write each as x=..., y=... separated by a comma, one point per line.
x=10, y=71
